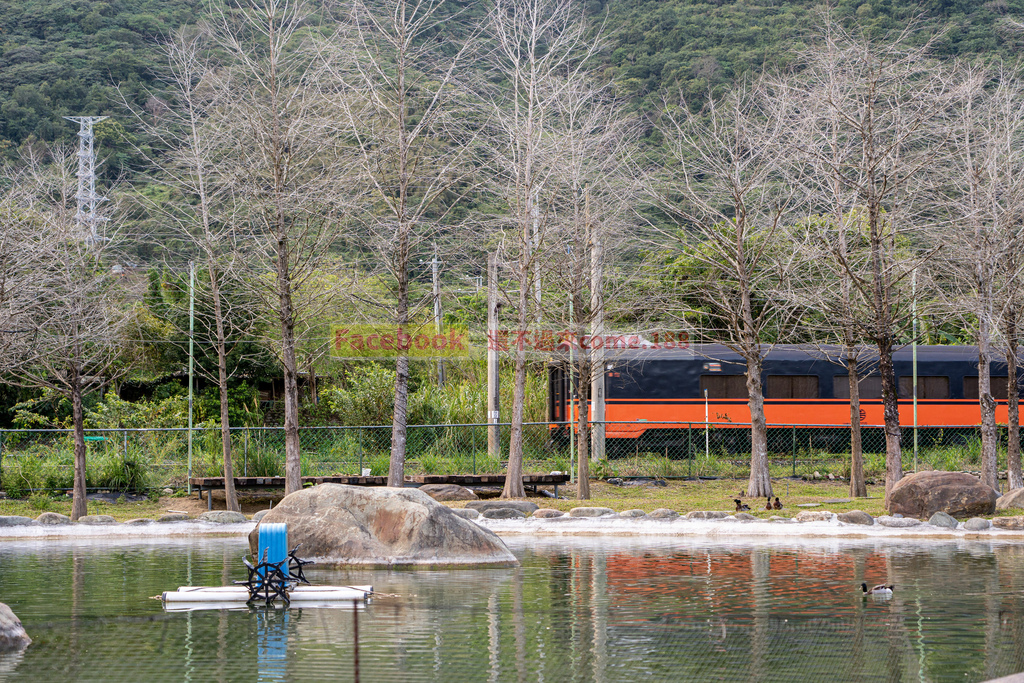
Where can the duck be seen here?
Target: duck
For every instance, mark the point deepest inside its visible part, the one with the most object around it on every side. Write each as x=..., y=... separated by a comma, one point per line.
x=768, y=504
x=880, y=589
x=740, y=507
x=777, y=505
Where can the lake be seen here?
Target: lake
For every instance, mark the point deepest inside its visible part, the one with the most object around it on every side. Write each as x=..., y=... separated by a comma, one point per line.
x=584, y=609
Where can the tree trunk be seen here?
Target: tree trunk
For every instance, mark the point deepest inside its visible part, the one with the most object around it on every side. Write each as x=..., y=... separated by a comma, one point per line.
x=292, y=451
x=989, y=434
x=1013, y=469
x=399, y=420
x=514, y=472
x=891, y=406
x=79, y=504
x=583, y=452
x=858, y=487
x=760, y=476
x=230, y=497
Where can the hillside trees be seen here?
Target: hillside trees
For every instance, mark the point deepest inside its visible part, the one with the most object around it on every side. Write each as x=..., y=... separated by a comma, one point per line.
x=405, y=113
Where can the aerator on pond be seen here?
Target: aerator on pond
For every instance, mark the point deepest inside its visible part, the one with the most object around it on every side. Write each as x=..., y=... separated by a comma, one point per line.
x=277, y=575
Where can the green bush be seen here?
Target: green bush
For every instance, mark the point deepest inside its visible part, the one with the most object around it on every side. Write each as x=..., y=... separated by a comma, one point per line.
x=263, y=463
x=118, y=471
x=379, y=465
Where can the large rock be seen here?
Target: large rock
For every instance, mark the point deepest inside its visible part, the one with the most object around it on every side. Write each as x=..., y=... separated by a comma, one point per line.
x=941, y=519
x=814, y=516
x=548, y=513
x=977, y=524
x=856, y=517
x=591, y=512
x=958, y=494
x=53, y=518
x=358, y=525
x=223, y=517
x=1011, y=523
x=1013, y=499
x=465, y=513
x=447, y=492
x=96, y=520
x=664, y=513
x=504, y=513
x=16, y=520
x=897, y=522
x=12, y=633
x=523, y=506
x=706, y=514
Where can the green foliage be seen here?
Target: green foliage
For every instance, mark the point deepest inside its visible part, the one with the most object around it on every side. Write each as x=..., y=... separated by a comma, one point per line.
x=263, y=463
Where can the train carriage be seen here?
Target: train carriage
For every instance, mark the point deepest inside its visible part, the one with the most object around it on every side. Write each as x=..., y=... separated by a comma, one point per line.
x=803, y=385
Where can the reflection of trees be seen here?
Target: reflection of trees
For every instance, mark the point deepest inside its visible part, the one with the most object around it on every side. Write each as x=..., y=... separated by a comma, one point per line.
x=760, y=570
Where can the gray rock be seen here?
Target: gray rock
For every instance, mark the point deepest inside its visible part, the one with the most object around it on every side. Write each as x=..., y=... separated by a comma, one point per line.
x=745, y=517
x=1009, y=523
x=173, y=517
x=1013, y=499
x=259, y=514
x=957, y=494
x=168, y=492
x=524, y=506
x=814, y=516
x=663, y=513
x=856, y=517
x=548, y=513
x=781, y=519
x=707, y=514
x=96, y=520
x=503, y=513
x=381, y=526
x=12, y=633
x=809, y=505
x=943, y=520
x=223, y=517
x=465, y=513
x=16, y=520
x=897, y=522
x=590, y=512
x=977, y=524
x=54, y=518
x=140, y=521
x=448, y=492
x=634, y=513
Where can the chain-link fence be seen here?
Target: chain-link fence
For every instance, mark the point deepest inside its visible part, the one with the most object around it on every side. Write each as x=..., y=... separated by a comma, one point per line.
x=142, y=458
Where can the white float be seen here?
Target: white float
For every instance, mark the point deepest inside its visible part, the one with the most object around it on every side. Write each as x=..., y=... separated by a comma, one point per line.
x=237, y=596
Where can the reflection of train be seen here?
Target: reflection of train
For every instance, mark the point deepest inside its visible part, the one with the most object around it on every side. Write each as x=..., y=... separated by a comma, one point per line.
x=803, y=385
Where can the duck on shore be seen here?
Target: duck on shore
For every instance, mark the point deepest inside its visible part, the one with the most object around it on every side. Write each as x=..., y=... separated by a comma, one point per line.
x=777, y=505
x=740, y=507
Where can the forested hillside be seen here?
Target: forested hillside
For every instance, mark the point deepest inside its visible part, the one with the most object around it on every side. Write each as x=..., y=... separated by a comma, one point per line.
x=69, y=57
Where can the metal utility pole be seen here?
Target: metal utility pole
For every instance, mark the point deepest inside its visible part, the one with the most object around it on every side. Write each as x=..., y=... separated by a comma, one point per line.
x=493, y=381
x=597, y=369
x=436, y=279
x=88, y=200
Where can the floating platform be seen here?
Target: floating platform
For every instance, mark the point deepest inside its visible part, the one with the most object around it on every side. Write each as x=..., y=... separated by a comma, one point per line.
x=225, y=597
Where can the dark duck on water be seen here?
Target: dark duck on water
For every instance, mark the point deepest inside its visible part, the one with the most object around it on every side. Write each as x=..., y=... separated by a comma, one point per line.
x=880, y=589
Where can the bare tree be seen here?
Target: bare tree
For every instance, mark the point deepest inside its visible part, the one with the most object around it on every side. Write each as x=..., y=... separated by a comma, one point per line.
x=285, y=166
x=730, y=191
x=884, y=105
x=541, y=51
x=66, y=304
x=405, y=113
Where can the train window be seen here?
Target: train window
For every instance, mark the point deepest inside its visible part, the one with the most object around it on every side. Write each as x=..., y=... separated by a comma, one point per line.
x=928, y=386
x=998, y=387
x=724, y=386
x=870, y=386
x=791, y=386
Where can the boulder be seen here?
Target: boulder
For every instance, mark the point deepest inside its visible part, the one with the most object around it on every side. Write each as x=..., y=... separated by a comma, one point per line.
x=745, y=517
x=634, y=513
x=1013, y=499
x=12, y=633
x=173, y=517
x=977, y=524
x=96, y=520
x=259, y=514
x=663, y=513
x=706, y=514
x=956, y=493
x=50, y=518
x=943, y=520
x=590, y=512
x=447, y=492
x=465, y=513
x=503, y=513
x=897, y=522
x=15, y=520
x=379, y=526
x=140, y=521
x=1010, y=523
x=548, y=513
x=856, y=517
x=524, y=506
x=223, y=517
x=814, y=516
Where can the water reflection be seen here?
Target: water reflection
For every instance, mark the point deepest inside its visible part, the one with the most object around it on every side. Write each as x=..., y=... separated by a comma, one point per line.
x=576, y=610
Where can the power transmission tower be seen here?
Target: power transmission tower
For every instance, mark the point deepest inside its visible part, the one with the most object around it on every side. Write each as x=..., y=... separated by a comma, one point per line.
x=88, y=200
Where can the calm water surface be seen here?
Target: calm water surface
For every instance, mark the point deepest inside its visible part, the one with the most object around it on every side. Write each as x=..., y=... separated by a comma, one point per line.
x=577, y=610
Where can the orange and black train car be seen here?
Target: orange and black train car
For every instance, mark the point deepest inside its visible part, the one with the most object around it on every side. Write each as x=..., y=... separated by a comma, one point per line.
x=654, y=395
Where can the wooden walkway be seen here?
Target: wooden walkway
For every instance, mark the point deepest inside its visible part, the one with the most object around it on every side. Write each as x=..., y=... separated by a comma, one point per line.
x=530, y=481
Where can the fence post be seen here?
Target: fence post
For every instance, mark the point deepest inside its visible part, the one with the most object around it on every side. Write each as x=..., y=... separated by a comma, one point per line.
x=689, y=448
x=125, y=444
x=473, y=450
x=245, y=453
x=794, y=451
x=359, y=448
